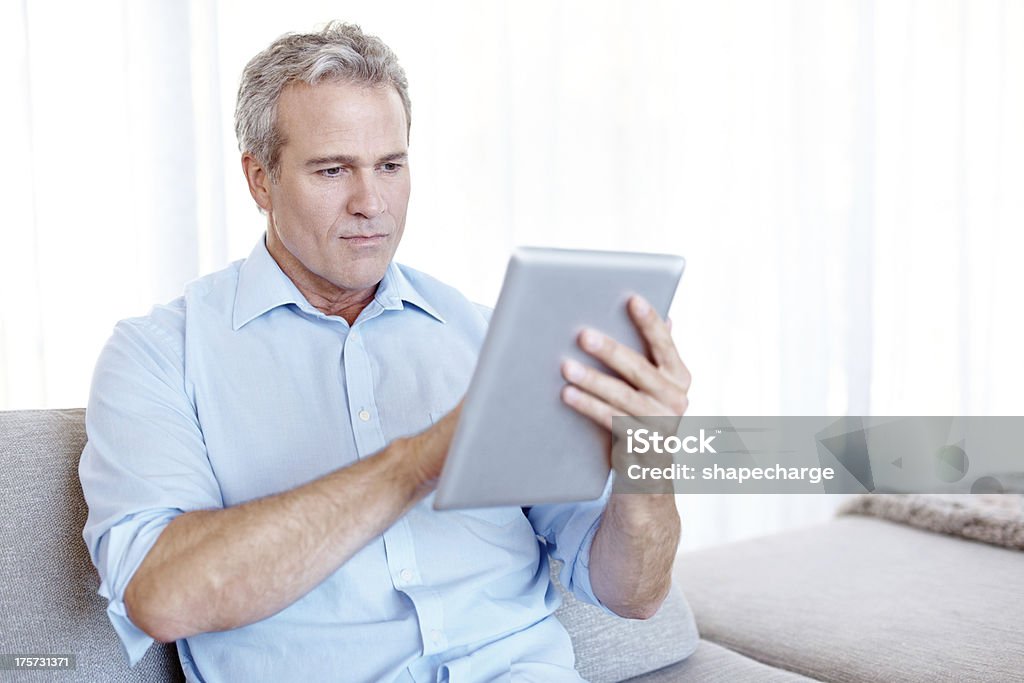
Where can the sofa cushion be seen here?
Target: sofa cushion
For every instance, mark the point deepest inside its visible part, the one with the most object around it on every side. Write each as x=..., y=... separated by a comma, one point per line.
x=715, y=664
x=610, y=649
x=862, y=599
x=49, y=585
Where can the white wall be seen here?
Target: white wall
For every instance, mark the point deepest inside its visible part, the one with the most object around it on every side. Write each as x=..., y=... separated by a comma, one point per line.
x=844, y=179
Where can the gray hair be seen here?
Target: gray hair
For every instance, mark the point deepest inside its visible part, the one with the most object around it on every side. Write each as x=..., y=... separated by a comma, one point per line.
x=339, y=52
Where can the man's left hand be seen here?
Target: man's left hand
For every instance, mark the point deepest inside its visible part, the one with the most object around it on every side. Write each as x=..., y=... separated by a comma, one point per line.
x=655, y=385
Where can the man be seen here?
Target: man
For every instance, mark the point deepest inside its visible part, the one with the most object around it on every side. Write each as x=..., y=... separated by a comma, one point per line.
x=262, y=450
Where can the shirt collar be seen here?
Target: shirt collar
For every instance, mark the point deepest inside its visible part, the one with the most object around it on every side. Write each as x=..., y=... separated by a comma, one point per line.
x=395, y=290
x=263, y=286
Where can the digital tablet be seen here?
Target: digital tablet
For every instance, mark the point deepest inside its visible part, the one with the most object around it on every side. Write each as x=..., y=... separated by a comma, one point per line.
x=517, y=443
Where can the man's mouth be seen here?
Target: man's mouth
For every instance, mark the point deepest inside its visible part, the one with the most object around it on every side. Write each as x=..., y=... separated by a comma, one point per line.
x=367, y=240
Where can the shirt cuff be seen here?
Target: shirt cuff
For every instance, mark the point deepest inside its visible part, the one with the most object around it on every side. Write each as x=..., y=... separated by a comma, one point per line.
x=580, y=585
x=123, y=549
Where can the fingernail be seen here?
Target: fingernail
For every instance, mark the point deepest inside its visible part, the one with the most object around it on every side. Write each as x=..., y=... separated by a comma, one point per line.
x=570, y=394
x=573, y=371
x=640, y=306
x=591, y=340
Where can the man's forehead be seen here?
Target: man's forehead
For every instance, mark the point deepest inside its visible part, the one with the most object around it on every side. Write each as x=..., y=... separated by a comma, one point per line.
x=342, y=114
x=340, y=99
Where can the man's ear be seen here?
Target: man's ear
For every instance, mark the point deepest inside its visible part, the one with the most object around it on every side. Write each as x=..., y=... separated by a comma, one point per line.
x=259, y=181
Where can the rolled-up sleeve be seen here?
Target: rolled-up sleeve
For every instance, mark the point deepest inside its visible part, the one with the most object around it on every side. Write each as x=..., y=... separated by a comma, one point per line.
x=145, y=460
x=569, y=529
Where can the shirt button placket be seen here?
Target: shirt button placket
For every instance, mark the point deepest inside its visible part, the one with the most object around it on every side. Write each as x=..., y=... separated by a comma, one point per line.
x=360, y=396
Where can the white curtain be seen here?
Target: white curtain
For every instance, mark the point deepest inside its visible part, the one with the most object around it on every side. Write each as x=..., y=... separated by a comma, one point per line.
x=844, y=178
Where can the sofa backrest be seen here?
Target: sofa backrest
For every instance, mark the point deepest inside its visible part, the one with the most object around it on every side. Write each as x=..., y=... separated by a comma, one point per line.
x=48, y=585
x=47, y=582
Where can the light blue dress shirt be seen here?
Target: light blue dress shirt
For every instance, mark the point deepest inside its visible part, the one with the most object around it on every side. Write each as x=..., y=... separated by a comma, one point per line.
x=241, y=389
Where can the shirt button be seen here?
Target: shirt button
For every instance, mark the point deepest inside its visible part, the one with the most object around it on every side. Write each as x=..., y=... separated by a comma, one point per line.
x=353, y=335
x=406, y=575
x=364, y=416
x=435, y=637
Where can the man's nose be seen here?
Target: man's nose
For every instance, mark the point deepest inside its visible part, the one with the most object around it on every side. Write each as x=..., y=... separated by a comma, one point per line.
x=366, y=199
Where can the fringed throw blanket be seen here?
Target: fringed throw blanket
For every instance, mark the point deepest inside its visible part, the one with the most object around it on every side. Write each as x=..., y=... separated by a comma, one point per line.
x=990, y=518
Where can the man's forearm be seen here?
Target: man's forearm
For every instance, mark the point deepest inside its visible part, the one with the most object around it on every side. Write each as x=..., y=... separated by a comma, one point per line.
x=213, y=570
x=632, y=553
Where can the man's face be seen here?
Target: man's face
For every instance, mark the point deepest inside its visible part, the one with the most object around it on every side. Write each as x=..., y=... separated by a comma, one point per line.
x=340, y=200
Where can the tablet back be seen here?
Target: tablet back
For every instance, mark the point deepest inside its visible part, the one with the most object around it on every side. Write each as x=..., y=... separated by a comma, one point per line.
x=517, y=443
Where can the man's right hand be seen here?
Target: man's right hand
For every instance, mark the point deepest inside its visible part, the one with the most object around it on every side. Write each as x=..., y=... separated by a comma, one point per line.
x=430, y=448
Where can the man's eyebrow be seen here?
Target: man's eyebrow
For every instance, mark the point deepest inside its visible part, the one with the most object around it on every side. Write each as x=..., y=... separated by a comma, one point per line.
x=348, y=160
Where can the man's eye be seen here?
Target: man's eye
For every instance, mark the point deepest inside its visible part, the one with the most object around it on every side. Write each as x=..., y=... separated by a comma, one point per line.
x=332, y=172
x=390, y=167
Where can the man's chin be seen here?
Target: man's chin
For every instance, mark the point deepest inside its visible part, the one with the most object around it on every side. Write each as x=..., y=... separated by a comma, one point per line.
x=361, y=278
x=359, y=268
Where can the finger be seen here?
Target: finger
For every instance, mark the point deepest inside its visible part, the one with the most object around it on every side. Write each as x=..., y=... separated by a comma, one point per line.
x=686, y=377
x=630, y=365
x=588, y=405
x=611, y=390
x=656, y=333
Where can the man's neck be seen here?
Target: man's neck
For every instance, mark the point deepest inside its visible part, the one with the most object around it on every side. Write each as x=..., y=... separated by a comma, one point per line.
x=319, y=292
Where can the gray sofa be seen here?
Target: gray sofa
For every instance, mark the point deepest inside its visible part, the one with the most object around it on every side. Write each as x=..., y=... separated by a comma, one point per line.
x=856, y=599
